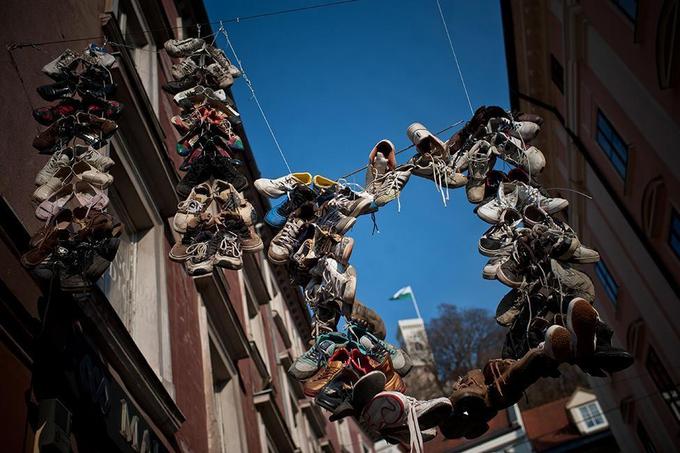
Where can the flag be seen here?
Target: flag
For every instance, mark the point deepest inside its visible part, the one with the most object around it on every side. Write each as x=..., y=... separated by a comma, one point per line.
x=403, y=293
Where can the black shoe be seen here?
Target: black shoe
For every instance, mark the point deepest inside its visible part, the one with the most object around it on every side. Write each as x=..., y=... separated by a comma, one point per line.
x=177, y=86
x=223, y=168
x=367, y=387
x=56, y=91
x=198, y=172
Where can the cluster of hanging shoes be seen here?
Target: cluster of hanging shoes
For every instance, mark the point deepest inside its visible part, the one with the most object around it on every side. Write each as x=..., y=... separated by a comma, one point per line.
x=215, y=220
x=78, y=239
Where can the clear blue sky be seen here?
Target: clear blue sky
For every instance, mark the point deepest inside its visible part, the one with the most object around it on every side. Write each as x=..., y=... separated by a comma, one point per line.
x=334, y=81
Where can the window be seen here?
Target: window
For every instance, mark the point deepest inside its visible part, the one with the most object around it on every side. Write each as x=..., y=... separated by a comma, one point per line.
x=664, y=383
x=610, y=285
x=592, y=416
x=612, y=144
x=674, y=234
x=628, y=7
x=667, y=42
x=557, y=73
x=644, y=438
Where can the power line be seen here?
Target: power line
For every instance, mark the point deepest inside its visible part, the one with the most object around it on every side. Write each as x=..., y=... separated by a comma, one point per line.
x=237, y=19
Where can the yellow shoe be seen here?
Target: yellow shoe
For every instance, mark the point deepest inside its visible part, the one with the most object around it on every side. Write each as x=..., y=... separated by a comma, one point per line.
x=323, y=183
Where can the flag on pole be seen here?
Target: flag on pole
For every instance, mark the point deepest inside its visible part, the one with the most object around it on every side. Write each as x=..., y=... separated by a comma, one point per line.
x=403, y=293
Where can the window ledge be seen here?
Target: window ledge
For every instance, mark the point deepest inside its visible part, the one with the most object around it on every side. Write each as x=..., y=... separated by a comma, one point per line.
x=214, y=291
x=315, y=417
x=260, y=365
x=280, y=325
x=276, y=425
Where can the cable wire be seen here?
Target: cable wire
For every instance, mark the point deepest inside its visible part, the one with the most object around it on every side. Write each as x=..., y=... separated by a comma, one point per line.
x=455, y=57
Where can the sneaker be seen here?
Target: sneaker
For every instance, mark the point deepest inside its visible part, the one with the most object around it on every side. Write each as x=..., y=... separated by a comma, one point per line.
x=557, y=344
x=379, y=349
x=179, y=251
x=248, y=239
x=512, y=271
x=335, y=366
x=366, y=388
x=471, y=408
x=509, y=308
x=392, y=409
x=335, y=397
x=528, y=195
x=228, y=253
x=58, y=180
x=198, y=173
x=61, y=67
x=175, y=87
x=183, y=69
x=490, y=270
x=88, y=173
x=513, y=151
x=274, y=188
x=221, y=77
x=57, y=162
x=43, y=247
x=309, y=363
x=426, y=142
x=195, y=204
x=183, y=47
x=278, y=215
x=223, y=168
x=381, y=159
x=479, y=164
x=506, y=197
x=387, y=187
x=94, y=158
x=437, y=170
x=201, y=258
x=582, y=321
x=335, y=282
x=498, y=240
x=573, y=282
x=221, y=59
x=334, y=219
x=285, y=241
x=229, y=199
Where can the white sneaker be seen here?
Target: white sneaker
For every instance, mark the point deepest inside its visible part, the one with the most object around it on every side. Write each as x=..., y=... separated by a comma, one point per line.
x=274, y=188
x=506, y=197
x=57, y=161
x=527, y=195
x=283, y=244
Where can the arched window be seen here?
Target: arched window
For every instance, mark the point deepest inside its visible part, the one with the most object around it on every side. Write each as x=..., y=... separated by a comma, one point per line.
x=667, y=43
x=654, y=199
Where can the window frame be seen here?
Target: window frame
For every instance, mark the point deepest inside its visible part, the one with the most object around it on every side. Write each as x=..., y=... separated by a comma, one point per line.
x=592, y=416
x=625, y=12
x=605, y=135
x=673, y=234
x=668, y=389
x=611, y=287
x=556, y=64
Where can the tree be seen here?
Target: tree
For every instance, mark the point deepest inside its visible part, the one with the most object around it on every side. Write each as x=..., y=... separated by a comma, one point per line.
x=463, y=339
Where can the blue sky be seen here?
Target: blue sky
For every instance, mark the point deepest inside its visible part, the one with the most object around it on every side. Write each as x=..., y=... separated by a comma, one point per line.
x=334, y=81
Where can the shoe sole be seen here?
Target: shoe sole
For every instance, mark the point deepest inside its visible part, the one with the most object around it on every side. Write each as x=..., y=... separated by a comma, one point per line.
x=505, y=250
x=386, y=411
x=486, y=218
x=557, y=208
x=366, y=388
x=506, y=280
x=581, y=322
x=435, y=415
x=228, y=263
x=558, y=343
x=346, y=225
x=360, y=208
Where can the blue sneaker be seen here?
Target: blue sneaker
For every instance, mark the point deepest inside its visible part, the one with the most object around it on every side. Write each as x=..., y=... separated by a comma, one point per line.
x=311, y=361
x=371, y=345
x=278, y=215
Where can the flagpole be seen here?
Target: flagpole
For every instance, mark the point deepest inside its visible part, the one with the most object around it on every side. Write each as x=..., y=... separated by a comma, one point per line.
x=415, y=303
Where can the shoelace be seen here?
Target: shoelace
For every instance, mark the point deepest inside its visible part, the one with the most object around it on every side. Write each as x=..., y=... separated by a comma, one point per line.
x=390, y=181
x=198, y=251
x=229, y=246
x=190, y=206
x=288, y=234
x=415, y=436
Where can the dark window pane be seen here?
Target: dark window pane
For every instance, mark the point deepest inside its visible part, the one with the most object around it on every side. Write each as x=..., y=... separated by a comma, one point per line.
x=557, y=73
x=612, y=144
x=610, y=285
x=674, y=233
x=629, y=8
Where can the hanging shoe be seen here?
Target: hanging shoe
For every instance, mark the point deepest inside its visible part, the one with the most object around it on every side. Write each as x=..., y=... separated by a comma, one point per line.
x=228, y=252
x=506, y=197
x=274, y=188
x=309, y=363
x=183, y=69
x=61, y=67
x=381, y=160
x=479, y=164
x=498, y=239
x=299, y=196
x=193, y=206
x=58, y=161
x=387, y=187
x=183, y=47
x=201, y=257
x=332, y=369
x=285, y=241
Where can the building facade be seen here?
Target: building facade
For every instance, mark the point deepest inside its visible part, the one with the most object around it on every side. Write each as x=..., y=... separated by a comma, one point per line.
x=605, y=76
x=151, y=360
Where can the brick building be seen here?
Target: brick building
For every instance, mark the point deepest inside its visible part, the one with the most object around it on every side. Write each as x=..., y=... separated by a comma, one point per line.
x=605, y=76
x=153, y=360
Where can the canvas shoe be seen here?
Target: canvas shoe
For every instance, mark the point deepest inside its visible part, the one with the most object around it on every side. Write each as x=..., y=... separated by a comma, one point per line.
x=229, y=199
x=523, y=130
x=387, y=187
x=201, y=257
x=573, y=282
x=309, y=363
x=48, y=115
x=333, y=218
x=582, y=321
x=511, y=150
x=401, y=362
x=528, y=195
x=59, y=90
x=175, y=87
x=94, y=158
x=507, y=197
x=249, y=240
x=381, y=159
x=335, y=282
x=183, y=69
x=179, y=251
x=228, y=251
x=490, y=270
x=509, y=307
x=222, y=77
x=57, y=232
x=61, y=67
x=512, y=271
x=60, y=179
x=195, y=204
x=327, y=244
x=183, y=47
x=479, y=164
x=274, y=188
x=426, y=142
x=299, y=196
x=498, y=240
x=437, y=170
x=56, y=162
x=221, y=59
x=394, y=410
x=285, y=241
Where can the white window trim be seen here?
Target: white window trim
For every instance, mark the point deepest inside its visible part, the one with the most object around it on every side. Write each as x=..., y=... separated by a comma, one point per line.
x=581, y=421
